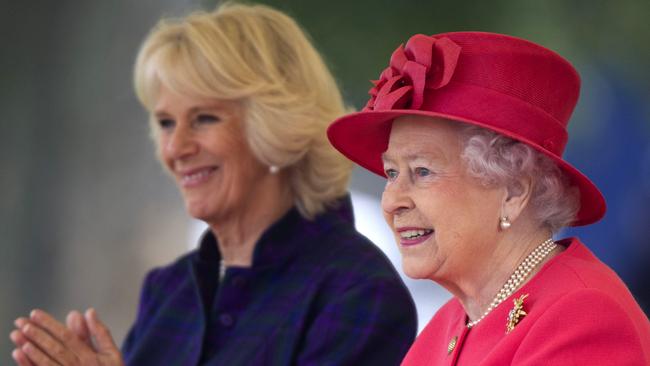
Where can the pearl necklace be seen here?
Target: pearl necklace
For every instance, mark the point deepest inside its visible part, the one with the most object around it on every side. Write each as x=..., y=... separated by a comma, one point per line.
x=519, y=275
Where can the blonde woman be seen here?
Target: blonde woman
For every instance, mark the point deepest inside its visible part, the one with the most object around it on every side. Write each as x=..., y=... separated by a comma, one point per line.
x=240, y=101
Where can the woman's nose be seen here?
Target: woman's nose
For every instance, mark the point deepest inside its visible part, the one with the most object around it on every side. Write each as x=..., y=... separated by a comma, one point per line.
x=180, y=143
x=396, y=197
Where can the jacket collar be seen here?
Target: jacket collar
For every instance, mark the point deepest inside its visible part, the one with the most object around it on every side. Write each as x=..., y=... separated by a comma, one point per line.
x=284, y=238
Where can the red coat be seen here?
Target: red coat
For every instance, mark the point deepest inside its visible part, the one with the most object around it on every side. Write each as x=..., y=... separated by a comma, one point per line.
x=578, y=313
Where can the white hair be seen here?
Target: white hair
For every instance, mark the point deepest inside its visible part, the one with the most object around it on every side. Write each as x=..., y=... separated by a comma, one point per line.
x=497, y=160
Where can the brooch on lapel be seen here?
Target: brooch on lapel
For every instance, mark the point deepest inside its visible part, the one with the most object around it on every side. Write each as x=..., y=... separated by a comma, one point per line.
x=516, y=313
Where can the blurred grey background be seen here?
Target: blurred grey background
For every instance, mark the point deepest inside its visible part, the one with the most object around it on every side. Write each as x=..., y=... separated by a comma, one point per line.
x=85, y=209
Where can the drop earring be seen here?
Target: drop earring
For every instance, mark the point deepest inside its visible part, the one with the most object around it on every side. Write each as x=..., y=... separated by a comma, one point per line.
x=504, y=223
x=274, y=169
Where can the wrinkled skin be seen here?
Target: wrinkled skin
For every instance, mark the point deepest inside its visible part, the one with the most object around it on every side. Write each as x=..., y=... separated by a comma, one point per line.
x=84, y=340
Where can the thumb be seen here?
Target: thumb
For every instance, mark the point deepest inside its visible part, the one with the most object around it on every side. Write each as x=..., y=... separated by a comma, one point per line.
x=103, y=339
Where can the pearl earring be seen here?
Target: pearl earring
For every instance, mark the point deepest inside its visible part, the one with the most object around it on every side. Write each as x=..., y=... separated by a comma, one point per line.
x=274, y=169
x=504, y=223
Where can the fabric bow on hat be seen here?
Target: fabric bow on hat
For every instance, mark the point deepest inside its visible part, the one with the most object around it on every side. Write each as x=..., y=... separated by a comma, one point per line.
x=425, y=63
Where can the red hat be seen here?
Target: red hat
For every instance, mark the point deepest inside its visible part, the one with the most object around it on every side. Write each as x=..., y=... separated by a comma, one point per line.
x=502, y=83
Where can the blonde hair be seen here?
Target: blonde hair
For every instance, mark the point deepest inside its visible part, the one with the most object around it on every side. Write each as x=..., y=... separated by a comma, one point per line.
x=261, y=57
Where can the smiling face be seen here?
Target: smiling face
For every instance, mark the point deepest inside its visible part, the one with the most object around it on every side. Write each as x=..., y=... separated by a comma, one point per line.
x=201, y=143
x=444, y=221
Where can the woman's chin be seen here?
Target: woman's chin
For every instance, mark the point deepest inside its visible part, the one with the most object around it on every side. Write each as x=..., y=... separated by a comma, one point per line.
x=416, y=271
x=198, y=211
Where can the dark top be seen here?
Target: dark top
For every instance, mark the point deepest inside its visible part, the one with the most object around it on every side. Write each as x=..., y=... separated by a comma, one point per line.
x=318, y=293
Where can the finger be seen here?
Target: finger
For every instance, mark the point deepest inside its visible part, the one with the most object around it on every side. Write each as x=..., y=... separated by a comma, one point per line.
x=58, y=331
x=76, y=322
x=18, y=338
x=36, y=356
x=21, y=358
x=54, y=350
x=20, y=322
x=48, y=322
x=102, y=334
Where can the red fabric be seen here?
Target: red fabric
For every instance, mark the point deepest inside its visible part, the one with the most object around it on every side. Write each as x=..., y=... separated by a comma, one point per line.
x=506, y=84
x=579, y=313
x=426, y=62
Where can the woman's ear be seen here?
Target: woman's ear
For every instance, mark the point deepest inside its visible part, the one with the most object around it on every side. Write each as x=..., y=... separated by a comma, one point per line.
x=516, y=198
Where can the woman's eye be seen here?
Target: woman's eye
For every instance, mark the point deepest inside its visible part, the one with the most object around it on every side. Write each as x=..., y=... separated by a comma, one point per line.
x=166, y=123
x=207, y=118
x=391, y=174
x=422, y=172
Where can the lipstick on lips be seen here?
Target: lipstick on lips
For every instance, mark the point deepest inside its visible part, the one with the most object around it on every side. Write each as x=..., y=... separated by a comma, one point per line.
x=413, y=235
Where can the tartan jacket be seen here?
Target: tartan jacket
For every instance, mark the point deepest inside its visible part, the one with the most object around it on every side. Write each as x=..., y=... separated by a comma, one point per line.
x=318, y=293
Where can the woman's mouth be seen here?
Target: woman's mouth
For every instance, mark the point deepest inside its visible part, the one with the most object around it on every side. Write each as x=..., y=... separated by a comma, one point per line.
x=412, y=236
x=197, y=177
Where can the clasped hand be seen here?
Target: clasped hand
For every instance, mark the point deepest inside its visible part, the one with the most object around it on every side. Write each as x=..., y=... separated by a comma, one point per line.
x=42, y=340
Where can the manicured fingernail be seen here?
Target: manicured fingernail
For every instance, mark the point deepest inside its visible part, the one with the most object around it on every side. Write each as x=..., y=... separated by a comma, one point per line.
x=14, y=335
x=91, y=313
x=27, y=348
x=15, y=354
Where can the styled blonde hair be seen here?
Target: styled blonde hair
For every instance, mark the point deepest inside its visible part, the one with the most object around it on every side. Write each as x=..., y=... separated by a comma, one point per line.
x=261, y=57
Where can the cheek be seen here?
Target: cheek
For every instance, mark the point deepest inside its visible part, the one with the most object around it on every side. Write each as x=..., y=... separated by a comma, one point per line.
x=437, y=202
x=483, y=203
x=453, y=210
x=470, y=217
x=245, y=171
x=239, y=179
x=466, y=198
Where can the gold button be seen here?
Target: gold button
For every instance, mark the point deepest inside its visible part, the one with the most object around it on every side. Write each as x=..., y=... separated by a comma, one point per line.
x=452, y=345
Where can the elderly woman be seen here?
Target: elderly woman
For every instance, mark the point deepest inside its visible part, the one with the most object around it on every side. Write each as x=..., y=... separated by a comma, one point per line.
x=469, y=128
x=240, y=101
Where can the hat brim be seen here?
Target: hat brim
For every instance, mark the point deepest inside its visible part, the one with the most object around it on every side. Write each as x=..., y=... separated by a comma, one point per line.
x=363, y=137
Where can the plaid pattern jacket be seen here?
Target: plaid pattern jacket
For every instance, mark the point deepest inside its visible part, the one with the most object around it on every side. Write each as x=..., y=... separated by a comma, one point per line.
x=318, y=293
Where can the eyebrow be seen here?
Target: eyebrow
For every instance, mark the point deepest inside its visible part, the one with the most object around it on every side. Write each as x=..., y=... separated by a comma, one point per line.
x=385, y=157
x=196, y=109
x=192, y=110
x=435, y=155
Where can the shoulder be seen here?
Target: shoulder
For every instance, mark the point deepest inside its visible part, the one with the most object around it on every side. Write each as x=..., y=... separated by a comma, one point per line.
x=160, y=285
x=579, y=280
x=579, y=297
x=179, y=266
x=587, y=307
x=161, y=281
x=343, y=250
x=576, y=270
x=586, y=325
x=339, y=262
